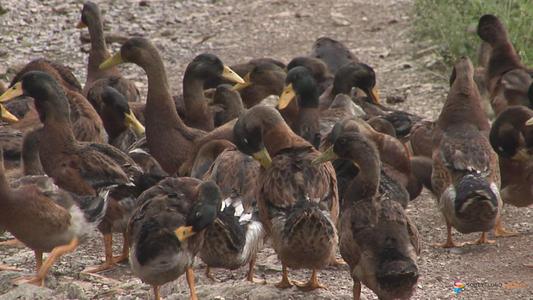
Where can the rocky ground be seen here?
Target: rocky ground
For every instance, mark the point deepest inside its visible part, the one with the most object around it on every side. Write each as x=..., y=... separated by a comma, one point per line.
x=377, y=31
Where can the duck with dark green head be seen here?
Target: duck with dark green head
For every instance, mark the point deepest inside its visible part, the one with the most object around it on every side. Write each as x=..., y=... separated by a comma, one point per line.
x=167, y=230
x=301, y=85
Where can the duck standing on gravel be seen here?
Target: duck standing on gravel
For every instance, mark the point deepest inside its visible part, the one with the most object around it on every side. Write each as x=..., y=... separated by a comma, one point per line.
x=167, y=230
x=377, y=239
x=466, y=175
x=298, y=201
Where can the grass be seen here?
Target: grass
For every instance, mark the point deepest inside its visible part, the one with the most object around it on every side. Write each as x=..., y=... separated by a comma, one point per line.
x=451, y=25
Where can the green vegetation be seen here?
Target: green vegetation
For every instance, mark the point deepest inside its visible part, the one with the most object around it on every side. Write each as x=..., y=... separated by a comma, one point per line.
x=451, y=25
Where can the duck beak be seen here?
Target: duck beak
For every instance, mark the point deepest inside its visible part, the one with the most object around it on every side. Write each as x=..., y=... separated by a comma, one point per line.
x=12, y=92
x=521, y=155
x=529, y=122
x=81, y=24
x=230, y=75
x=7, y=116
x=325, y=156
x=132, y=122
x=242, y=86
x=263, y=158
x=114, y=60
x=184, y=232
x=286, y=96
x=374, y=95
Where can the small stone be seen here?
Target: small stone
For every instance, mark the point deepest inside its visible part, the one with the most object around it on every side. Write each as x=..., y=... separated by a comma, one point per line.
x=144, y=3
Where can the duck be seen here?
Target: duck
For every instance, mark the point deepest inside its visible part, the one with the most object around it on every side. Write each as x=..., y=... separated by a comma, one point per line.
x=301, y=84
x=86, y=122
x=242, y=69
x=237, y=234
x=263, y=80
x=46, y=218
x=80, y=167
x=169, y=140
x=508, y=80
x=318, y=69
x=376, y=237
x=200, y=69
x=122, y=126
x=512, y=139
x=299, y=212
x=334, y=53
x=167, y=230
x=97, y=78
x=396, y=175
x=465, y=172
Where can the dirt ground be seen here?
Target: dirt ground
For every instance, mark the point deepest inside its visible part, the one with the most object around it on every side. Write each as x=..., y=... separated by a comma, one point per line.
x=377, y=31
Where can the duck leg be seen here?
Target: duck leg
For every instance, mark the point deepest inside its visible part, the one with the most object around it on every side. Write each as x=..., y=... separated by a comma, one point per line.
x=190, y=282
x=108, y=249
x=125, y=250
x=501, y=231
x=250, y=275
x=12, y=243
x=337, y=262
x=38, y=259
x=208, y=273
x=312, y=284
x=449, y=241
x=284, y=283
x=8, y=268
x=156, y=292
x=482, y=240
x=54, y=255
x=356, y=289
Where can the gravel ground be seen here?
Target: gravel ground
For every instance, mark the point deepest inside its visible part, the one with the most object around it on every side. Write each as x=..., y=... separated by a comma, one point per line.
x=379, y=34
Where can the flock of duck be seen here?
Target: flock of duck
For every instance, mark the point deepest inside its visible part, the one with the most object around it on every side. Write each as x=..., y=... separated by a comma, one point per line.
x=223, y=168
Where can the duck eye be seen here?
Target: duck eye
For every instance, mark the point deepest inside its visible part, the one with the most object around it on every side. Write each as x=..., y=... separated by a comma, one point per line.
x=245, y=140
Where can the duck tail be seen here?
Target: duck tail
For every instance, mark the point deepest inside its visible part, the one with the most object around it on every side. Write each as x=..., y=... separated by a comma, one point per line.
x=93, y=207
x=476, y=199
x=308, y=216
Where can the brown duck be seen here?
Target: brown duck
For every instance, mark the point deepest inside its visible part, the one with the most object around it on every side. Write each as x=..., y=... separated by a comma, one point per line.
x=466, y=175
x=376, y=237
x=512, y=139
x=236, y=236
x=97, y=79
x=169, y=139
x=82, y=168
x=46, y=218
x=507, y=78
x=298, y=201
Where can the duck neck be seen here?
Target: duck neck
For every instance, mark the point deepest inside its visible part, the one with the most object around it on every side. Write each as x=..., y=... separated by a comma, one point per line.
x=365, y=184
x=4, y=185
x=195, y=101
x=503, y=59
x=160, y=107
x=279, y=136
x=98, y=52
x=463, y=105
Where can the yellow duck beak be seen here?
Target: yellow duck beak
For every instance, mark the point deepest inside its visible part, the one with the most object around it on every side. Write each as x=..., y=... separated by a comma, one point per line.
x=133, y=123
x=522, y=155
x=184, y=232
x=114, y=60
x=6, y=116
x=327, y=155
x=374, y=96
x=263, y=158
x=81, y=24
x=230, y=75
x=286, y=96
x=12, y=92
x=242, y=86
x=529, y=122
